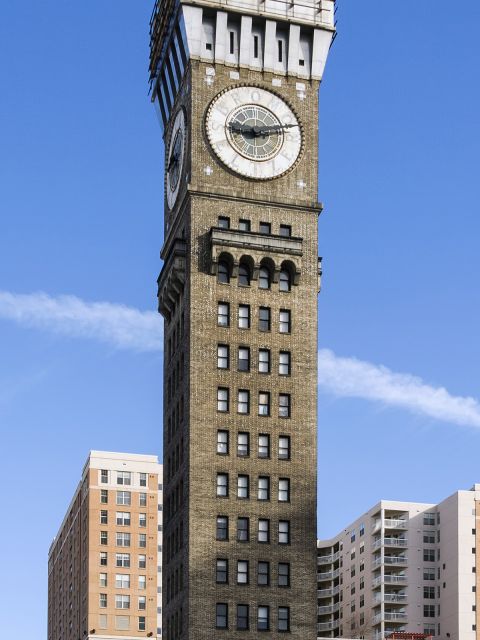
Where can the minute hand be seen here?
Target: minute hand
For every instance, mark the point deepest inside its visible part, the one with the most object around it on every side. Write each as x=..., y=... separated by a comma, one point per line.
x=275, y=127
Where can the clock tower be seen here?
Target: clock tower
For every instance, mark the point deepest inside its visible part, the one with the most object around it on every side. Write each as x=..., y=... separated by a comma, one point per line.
x=235, y=84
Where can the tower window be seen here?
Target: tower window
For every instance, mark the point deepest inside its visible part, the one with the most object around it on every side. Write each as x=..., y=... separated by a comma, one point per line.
x=243, y=359
x=264, y=319
x=285, y=230
x=223, y=356
x=283, y=574
x=242, y=572
x=284, y=532
x=232, y=42
x=263, y=403
x=244, y=225
x=242, y=617
x=243, y=488
x=222, y=571
x=285, y=321
x=284, y=447
x=222, y=399
x=264, y=278
x=255, y=46
x=263, y=618
x=222, y=485
x=284, y=282
x=243, y=276
x=263, y=488
x=284, y=362
x=280, y=50
x=284, y=490
x=243, y=533
x=263, y=574
x=283, y=619
x=208, y=46
x=265, y=228
x=222, y=442
x=243, y=444
x=224, y=222
x=284, y=405
x=223, y=272
x=243, y=401
x=301, y=63
x=222, y=528
x=221, y=615
x=263, y=361
x=244, y=316
x=263, y=445
x=264, y=531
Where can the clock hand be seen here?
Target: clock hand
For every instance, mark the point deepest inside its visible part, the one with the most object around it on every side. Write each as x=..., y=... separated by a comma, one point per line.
x=173, y=161
x=274, y=127
x=240, y=128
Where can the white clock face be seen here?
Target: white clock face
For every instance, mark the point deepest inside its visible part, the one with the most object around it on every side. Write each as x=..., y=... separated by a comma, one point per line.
x=254, y=132
x=176, y=153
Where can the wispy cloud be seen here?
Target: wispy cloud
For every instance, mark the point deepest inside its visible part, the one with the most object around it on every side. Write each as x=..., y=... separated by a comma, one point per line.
x=128, y=328
x=115, y=324
x=349, y=377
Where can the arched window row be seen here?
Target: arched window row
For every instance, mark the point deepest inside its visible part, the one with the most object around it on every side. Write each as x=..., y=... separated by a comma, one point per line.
x=266, y=275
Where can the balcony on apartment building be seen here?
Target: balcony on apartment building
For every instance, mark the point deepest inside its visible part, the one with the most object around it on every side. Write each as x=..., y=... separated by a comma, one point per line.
x=328, y=593
x=391, y=597
x=391, y=616
x=390, y=578
x=389, y=560
x=390, y=541
x=328, y=575
x=390, y=520
x=328, y=559
x=328, y=626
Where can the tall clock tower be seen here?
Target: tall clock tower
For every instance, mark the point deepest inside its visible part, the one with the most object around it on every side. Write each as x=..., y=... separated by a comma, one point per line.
x=235, y=84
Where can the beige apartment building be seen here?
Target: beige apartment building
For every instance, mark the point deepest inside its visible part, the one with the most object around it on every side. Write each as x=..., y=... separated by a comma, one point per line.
x=403, y=567
x=104, y=565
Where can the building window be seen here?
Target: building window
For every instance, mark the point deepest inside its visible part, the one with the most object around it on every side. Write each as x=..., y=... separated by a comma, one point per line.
x=243, y=275
x=284, y=408
x=104, y=476
x=244, y=225
x=222, y=399
x=222, y=528
x=264, y=278
x=143, y=479
x=221, y=615
x=242, y=487
x=283, y=574
x=285, y=325
x=142, y=561
x=103, y=601
x=123, y=518
x=264, y=531
x=243, y=529
x=103, y=517
x=244, y=316
x=263, y=618
x=223, y=275
x=284, y=490
x=243, y=359
x=104, y=496
x=122, y=539
x=222, y=571
x=223, y=222
x=284, y=360
x=429, y=593
x=284, y=282
x=264, y=361
x=264, y=319
x=124, y=498
x=122, y=623
x=429, y=555
x=283, y=619
x=243, y=445
x=142, y=582
x=362, y=530
x=284, y=447
x=222, y=442
x=285, y=230
x=142, y=519
x=222, y=485
x=103, y=579
x=242, y=572
x=142, y=499
x=263, y=488
x=122, y=581
x=223, y=314
x=103, y=558
x=223, y=356
x=263, y=403
x=428, y=610
x=428, y=574
x=103, y=537
x=429, y=537
x=263, y=573
x=265, y=228
x=284, y=532
x=264, y=445
x=242, y=617
x=142, y=540
x=122, y=560
x=124, y=477
x=142, y=603
x=141, y=623
x=243, y=401
x=429, y=519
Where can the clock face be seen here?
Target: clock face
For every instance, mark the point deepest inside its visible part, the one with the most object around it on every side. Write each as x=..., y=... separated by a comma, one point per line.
x=176, y=153
x=254, y=132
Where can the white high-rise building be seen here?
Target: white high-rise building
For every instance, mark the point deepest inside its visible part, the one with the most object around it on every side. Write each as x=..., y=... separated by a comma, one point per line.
x=404, y=567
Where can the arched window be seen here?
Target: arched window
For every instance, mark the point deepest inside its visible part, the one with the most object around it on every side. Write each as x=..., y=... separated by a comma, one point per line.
x=243, y=276
x=264, y=278
x=223, y=272
x=284, y=282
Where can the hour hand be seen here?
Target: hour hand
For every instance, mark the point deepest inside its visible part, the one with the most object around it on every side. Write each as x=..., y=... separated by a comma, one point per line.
x=276, y=127
x=239, y=128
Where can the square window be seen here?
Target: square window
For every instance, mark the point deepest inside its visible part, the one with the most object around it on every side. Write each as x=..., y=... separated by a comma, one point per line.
x=263, y=618
x=284, y=490
x=242, y=617
x=283, y=574
x=284, y=361
x=263, y=488
x=243, y=529
x=223, y=356
x=263, y=403
x=285, y=230
x=122, y=581
x=429, y=593
x=222, y=442
x=264, y=531
x=242, y=487
x=284, y=447
x=263, y=574
x=264, y=445
x=244, y=316
x=222, y=485
x=221, y=615
x=123, y=518
x=429, y=519
x=429, y=555
x=284, y=408
x=222, y=399
x=243, y=405
x=243, y=445
x=124, y=498
x=223, y=314
x=264, y=319
x=244, y=225
x=265, y=228
x=122, y=539
x=285, y=323
x=224, y=222
x=222, y=528
x=283, y=619
x=122, y=560
x=264, y=361
x=243, y=359
x=124, y=477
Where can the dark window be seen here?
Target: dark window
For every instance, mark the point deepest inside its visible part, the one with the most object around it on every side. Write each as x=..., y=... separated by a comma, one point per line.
x=283, y=619
x=221, y=615
x=285, y=230
x=263, y=574
x=265, y=228
x=264, y=319
x=243, y=529
x=243, y=359
x=222, y=571
x=244, y=225
x=284, y=408
x=428, y=610
x=285, y=321
x=232, y=42
x=223, y=314
x=429, y=555
x=242, y=617
x=284, y=532
x=243, y=444
x=222, y=528
x=284, y=282
x=224, y=222
x=283, y=574
x=223, y=272
x=255, y=46
x=301, y=62
x=208, y=46
x=243, y=276
x=280, y=50
x=244, y=316
x=264, y=279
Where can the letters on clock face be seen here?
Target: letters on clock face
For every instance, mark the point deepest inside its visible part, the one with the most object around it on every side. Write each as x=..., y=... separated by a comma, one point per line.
x=253, y=132
x=176, y=152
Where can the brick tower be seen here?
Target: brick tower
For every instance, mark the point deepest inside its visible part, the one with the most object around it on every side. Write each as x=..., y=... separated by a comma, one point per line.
x=235, y=84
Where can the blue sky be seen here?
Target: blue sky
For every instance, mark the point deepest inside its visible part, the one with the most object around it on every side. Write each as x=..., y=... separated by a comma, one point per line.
x=81, y=215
